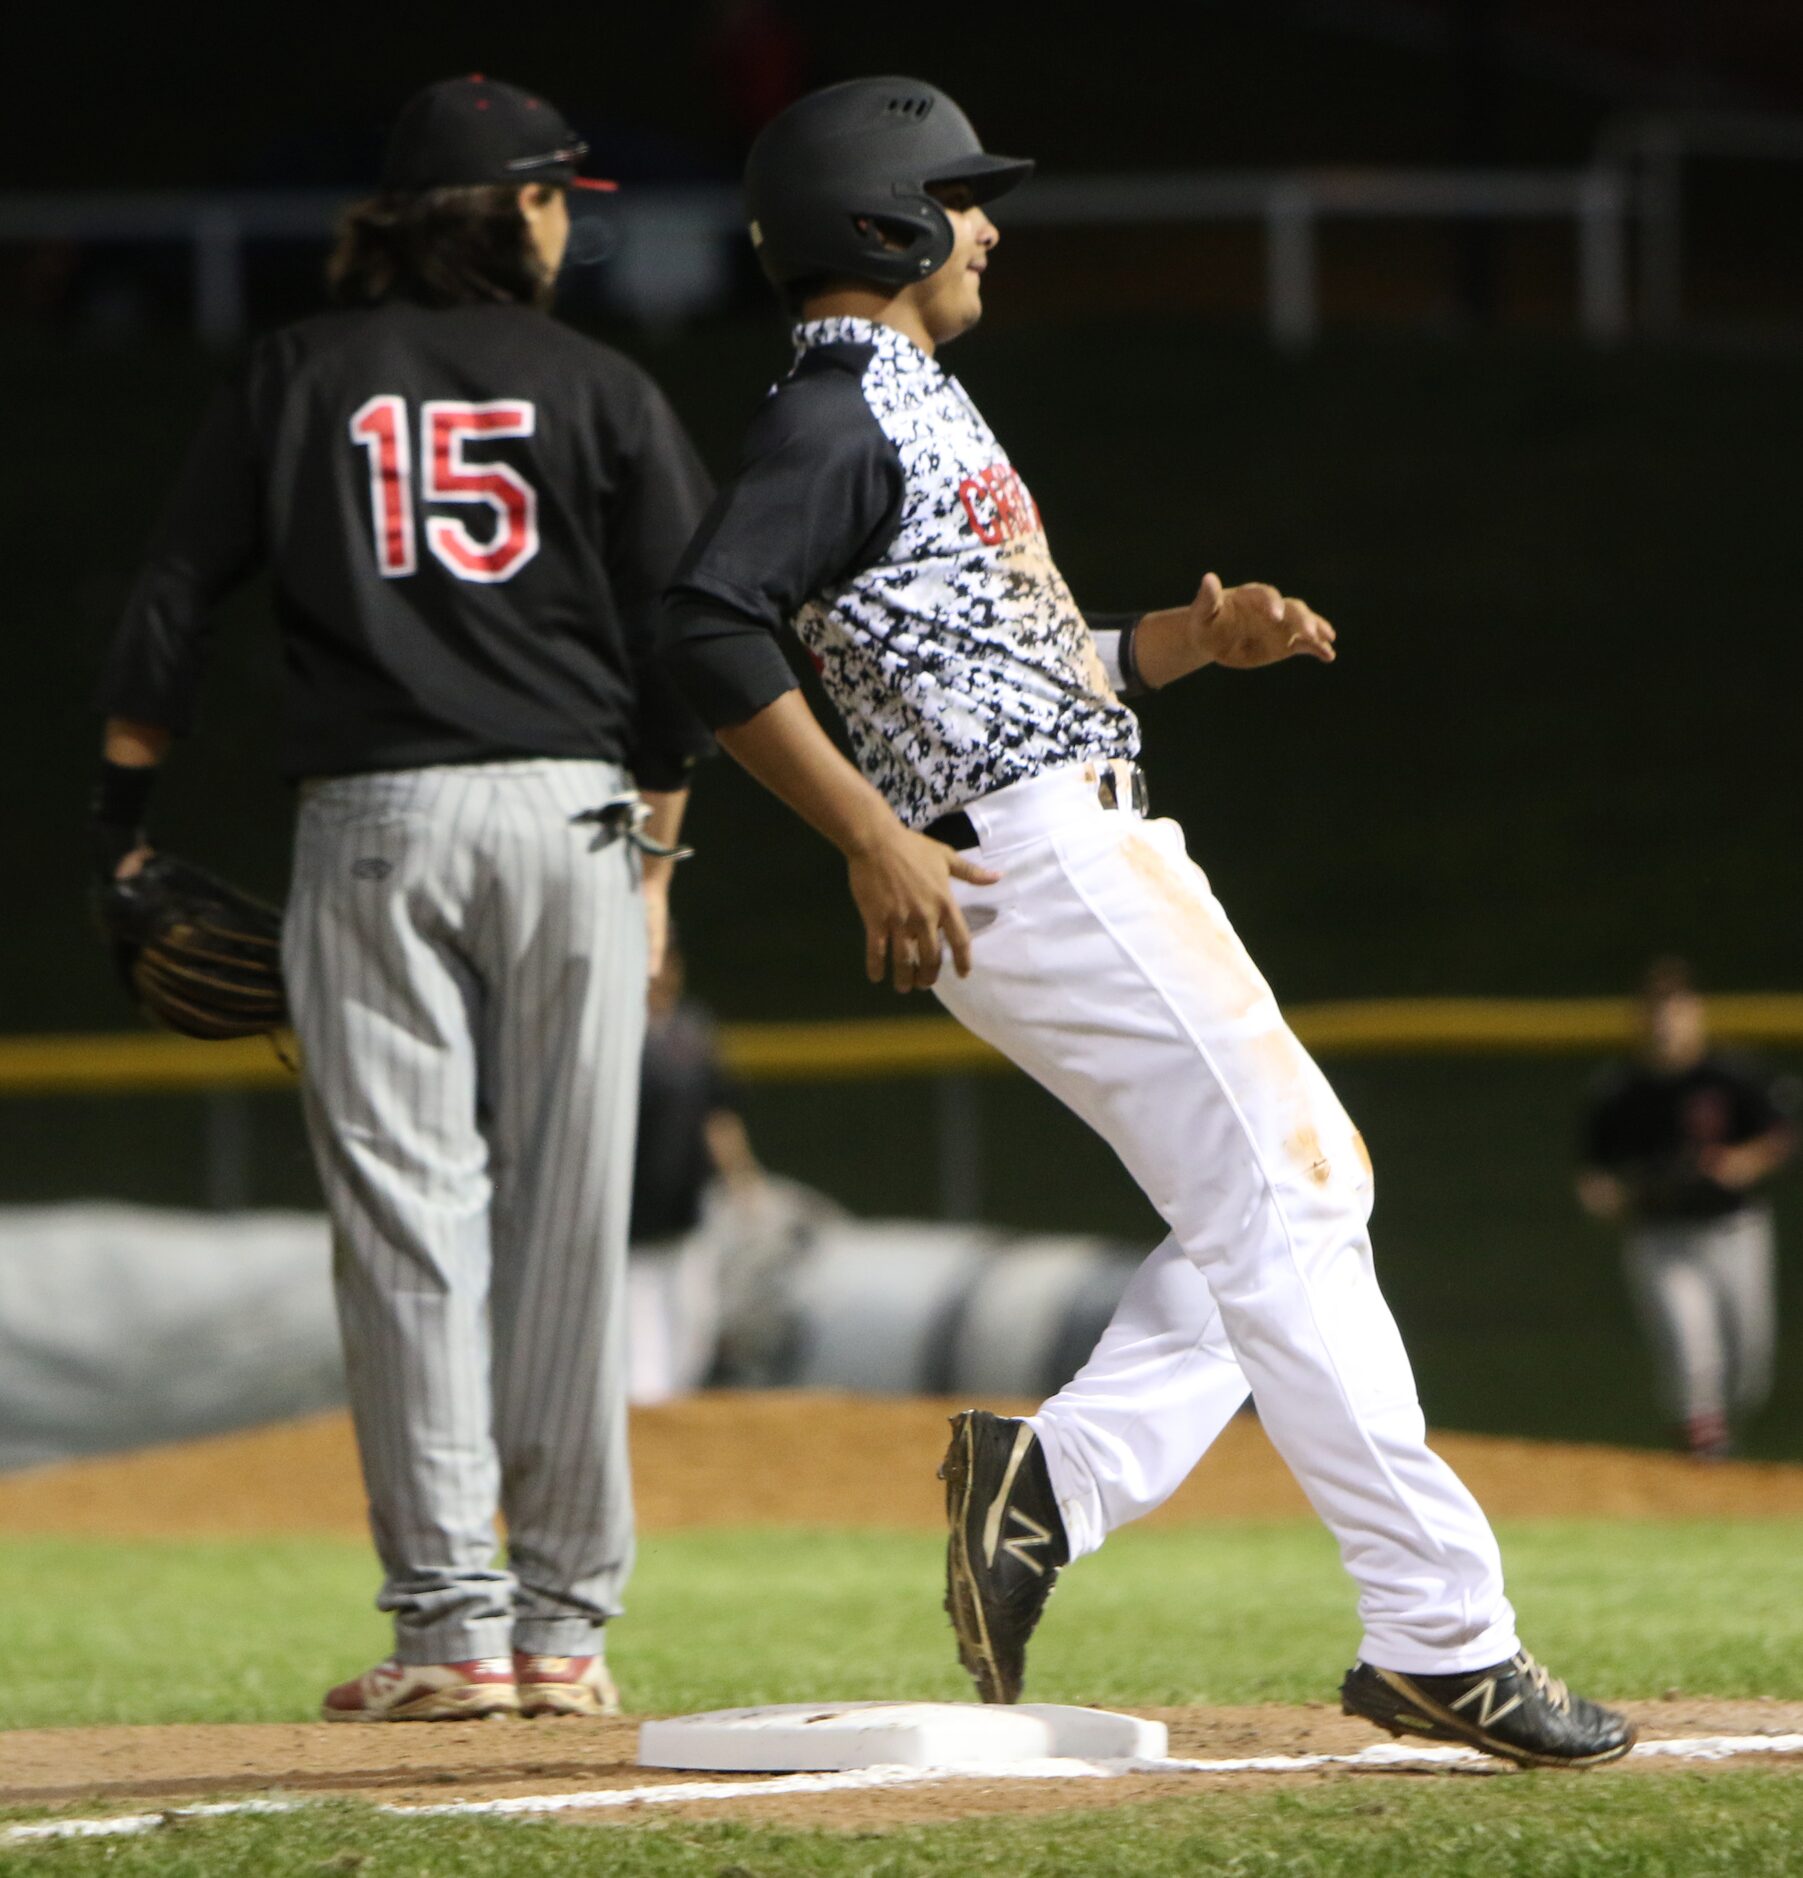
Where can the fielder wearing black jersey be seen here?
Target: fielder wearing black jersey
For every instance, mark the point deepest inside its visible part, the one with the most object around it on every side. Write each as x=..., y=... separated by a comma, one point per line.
x=467, y=512
x=1662, y=1132
x=1677, y=1145
x=995, y=811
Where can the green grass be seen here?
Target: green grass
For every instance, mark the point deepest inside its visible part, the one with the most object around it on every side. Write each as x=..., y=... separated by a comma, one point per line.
x=1679, y=1825
x=243, y=1631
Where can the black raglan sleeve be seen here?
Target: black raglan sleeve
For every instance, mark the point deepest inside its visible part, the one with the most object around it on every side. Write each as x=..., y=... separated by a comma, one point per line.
x=210, y=538
x=663, y=495
x=817, y=497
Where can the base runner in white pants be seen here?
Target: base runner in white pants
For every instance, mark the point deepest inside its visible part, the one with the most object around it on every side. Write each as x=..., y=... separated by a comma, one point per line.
x=994, y=809
x=468, y=512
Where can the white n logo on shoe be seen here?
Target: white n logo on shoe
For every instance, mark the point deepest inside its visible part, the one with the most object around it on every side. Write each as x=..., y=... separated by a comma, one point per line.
x=1484, y=1695
x=1018, y=1546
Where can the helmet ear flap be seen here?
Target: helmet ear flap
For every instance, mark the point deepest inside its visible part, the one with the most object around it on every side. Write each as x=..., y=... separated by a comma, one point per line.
x=905, y=247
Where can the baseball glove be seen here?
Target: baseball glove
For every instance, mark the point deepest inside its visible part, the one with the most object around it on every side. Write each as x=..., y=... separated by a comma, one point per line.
x=197, y=955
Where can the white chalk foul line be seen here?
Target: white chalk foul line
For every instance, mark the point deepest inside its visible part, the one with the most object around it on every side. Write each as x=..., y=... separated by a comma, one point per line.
x=1385, y=1754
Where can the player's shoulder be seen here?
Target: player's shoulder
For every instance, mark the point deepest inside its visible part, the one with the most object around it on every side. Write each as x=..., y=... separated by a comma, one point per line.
x=318, y=347
x=583, y=374
x=282, y=363
x=504, y=336
x=578, y=354
x=317, y=336
x=820, y=408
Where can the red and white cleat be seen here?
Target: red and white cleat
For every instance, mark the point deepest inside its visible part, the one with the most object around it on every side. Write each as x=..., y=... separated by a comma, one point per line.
x=564, y=1685
x=470, y=1691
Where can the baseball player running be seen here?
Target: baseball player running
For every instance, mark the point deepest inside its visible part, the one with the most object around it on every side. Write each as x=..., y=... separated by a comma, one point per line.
x=1677, y=1146
x=468, y=512
x=997, y=811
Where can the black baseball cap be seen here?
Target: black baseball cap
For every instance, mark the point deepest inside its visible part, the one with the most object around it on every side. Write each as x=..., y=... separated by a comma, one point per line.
x=471, y=130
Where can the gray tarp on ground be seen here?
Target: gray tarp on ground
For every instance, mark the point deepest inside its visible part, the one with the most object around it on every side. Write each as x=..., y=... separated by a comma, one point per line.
x=121, y=1326
x=125, y=1326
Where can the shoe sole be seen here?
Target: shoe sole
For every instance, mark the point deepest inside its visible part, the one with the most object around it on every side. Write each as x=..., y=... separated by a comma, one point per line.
x=567, y=1701
x=1441, y=1724
x=438, y=1706
x=963, y=1601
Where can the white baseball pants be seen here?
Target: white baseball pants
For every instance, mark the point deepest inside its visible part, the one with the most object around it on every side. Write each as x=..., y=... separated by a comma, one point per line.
x=467, y=976
x=1107, y=970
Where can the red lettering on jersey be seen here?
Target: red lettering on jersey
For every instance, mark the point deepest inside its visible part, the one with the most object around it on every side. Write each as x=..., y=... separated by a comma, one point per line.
x=997, y=505
x=380, y=426
x=447, y=426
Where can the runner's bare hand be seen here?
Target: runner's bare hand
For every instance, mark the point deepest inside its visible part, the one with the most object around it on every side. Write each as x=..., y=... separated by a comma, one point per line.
x=1251, y=625
x=902, y=885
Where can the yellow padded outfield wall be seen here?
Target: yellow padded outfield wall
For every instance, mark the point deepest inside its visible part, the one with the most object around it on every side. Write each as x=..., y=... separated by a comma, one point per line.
x=151, y=1062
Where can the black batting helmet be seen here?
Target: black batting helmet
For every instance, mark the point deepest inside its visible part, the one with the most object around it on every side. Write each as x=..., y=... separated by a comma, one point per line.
x=836, y=186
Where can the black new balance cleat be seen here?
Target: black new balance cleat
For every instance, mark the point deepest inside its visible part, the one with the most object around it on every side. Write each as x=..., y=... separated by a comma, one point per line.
x=1513, y=1709
x=1006, y=1544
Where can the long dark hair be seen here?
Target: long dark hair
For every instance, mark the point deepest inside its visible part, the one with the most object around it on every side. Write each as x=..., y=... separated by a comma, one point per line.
x=440, y=247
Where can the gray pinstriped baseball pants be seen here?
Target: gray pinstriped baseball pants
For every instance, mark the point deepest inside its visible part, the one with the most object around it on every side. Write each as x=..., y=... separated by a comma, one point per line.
x=1704, y=1290
x=467, y=977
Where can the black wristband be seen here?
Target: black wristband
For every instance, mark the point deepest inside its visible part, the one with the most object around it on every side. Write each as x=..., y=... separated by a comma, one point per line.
x=1132, y=684
x=121, y=794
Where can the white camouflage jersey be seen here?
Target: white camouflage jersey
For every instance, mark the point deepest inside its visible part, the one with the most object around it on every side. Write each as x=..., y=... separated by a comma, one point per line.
x=875, y=513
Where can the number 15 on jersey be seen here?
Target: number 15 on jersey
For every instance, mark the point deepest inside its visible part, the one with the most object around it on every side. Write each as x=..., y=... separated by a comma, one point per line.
x=446, y=428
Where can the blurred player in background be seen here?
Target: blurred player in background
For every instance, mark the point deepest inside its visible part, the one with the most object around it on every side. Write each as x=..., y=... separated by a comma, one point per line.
x=1677, y=1145
x=996, y=811
x=468, y=512
x=692, y=1145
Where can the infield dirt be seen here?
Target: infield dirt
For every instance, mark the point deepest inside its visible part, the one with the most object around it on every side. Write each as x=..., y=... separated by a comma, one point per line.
x=773, y=1458
x=133, y=1769
x=753, y=1459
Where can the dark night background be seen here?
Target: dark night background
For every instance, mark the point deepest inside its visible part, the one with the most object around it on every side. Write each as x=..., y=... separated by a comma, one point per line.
x=1562, y=733
x=301, y=95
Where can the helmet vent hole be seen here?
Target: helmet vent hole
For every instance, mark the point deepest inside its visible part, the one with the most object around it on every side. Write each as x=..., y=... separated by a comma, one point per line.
x=915, y=107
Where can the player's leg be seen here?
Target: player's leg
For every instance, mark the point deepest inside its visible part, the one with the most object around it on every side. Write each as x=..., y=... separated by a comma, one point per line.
x=1680, y=1311
x=1117, y=981
x=566, y=948
x=1742, y=1257
x=383, y=1009
x=1126, y=1430
x=1165, y=1038
x=1130, y=1426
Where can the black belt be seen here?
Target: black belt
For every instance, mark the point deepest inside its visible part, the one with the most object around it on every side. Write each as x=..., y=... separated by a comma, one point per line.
x=957, y=830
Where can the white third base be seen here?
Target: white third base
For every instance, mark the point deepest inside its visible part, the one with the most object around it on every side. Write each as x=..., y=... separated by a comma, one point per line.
x=831, y=1737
